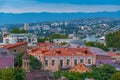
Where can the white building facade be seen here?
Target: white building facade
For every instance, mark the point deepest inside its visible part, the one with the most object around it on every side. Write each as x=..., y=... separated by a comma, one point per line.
x=15, y=38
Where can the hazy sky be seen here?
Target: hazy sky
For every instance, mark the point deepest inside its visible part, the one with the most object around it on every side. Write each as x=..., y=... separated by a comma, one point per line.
x=21, y=6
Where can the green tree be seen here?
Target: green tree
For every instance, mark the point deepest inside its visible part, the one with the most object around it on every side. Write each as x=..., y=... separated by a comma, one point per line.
x=34, y=62
x=18, y=31
x=57, y=74
x=58, y=36
x=90, y=43
x=12, y=74
x=63, y=43
x=19, y=74
x=113, y=39
x=43, y=39
x=7, y=74
x=94, y=44
x=18, y=60
x=15, y=30
x=107, y=71
x=0, y=74
x=98, y=73
x=116, y=76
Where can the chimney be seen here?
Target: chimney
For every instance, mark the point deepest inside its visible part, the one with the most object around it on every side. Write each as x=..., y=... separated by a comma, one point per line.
x=57, y=52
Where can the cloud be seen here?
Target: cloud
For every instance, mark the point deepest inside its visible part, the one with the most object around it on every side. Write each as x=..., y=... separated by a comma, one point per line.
x=84, y=2
x=17, y=6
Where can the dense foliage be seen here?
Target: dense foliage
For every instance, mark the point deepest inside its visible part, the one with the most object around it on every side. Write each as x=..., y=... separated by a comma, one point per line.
x=94, y=44
x=18, y=31
x=43, y=39
x=116, y=76
x=34, y=62
x=58, y=36
x=50, y=38
x=113, y=39
x=12, y=74
x=17, y=73
x=63, y=43
x=98, y=73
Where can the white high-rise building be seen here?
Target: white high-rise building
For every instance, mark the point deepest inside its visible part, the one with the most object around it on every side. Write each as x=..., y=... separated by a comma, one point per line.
x=26, y=26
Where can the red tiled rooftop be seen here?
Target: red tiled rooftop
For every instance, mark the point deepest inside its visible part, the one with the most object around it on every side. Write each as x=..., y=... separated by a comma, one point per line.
x=74, y=52
x=63, y=52
x=14, y=45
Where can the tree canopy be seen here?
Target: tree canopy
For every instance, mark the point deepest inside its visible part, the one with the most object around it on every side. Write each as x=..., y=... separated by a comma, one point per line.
x=98, y=73
x=116, y=76
x=43, y=39
x=58, y=36
x=18, y=73
x=18, y=31
x=113, y=39
x=63, y=43
x=12, y=74
x=94, y=44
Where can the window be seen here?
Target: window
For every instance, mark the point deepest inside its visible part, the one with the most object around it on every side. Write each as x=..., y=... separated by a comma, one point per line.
x=46, y=62
x=75, y=61
x=61, y=63
x=81, y=61
x=89, y=61
x=68, y=62
x=7, y=40
x=53, y=62
x=14, y=50
x=29, y=40
x=32, y=39
x=4, y=53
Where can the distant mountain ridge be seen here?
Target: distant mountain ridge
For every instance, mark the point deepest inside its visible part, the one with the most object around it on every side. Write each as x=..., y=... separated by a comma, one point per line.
x=11, y=18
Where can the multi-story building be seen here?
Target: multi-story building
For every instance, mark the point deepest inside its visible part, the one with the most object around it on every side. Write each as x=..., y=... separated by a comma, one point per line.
x=64, y=58
x=55, y=24
x=26, y=26
x=115, y=57
x=17, y=48
x=102, y=57
x=15, y=38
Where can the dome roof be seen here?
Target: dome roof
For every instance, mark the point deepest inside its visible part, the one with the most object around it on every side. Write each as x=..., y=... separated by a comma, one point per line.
x=77, y=42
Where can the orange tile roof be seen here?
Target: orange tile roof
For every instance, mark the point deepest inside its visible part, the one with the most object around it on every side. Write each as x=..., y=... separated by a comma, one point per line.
x=67, y=52
x=61, y=52
x=14, y=45
x=80, y=68
x=36, y=52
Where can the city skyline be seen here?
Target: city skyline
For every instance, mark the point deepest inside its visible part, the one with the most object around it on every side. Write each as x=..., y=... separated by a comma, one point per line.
x=58, y=6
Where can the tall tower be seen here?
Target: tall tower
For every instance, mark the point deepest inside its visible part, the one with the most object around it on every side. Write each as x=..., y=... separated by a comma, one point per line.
x=26, y=26
x=26, y=62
